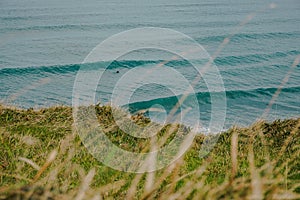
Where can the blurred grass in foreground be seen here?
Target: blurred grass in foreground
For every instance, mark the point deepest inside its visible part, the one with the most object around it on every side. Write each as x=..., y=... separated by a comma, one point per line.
x=42, y=158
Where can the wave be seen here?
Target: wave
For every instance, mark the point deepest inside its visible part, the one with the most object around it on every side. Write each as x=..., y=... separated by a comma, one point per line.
x=252, y=58
x=204, y=98
x=219, y=61
x=242, y=37
x=63, y=69
x=47, y=16
x=70, y=27
x=56, y=69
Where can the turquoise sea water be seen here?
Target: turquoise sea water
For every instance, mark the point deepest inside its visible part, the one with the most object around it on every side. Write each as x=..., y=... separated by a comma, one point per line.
x=42, y=44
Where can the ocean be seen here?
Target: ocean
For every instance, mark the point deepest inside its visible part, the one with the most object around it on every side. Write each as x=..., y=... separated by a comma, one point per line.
x=44, y=43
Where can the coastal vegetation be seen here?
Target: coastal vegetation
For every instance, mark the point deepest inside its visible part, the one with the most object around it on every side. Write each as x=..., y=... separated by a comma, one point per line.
x=42, y=157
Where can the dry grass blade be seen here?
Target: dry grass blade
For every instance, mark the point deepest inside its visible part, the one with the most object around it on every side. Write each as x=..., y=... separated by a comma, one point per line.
x=30, y=162
x=234, y=154
x=150, y=177
x=162, y=177
x=280, y=87
x=133, y=187
x=256, y=183
x=85, y=184
x=50, y=159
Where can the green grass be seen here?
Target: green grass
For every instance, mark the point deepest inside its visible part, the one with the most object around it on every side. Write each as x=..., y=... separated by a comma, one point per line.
x=261, y=161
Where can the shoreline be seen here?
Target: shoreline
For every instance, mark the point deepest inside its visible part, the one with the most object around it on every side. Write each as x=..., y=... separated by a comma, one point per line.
x=12, y=107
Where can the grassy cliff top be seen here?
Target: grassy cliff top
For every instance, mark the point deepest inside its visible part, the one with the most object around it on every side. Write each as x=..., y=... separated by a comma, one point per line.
x=42, y=157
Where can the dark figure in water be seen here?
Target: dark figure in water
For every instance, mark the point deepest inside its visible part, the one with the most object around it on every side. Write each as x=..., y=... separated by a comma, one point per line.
x=117, y=71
